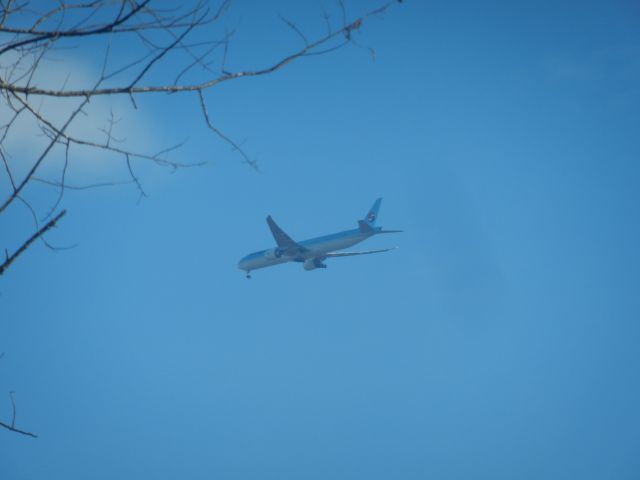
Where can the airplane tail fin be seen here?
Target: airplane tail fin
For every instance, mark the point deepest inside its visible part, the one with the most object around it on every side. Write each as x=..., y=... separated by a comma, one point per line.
x=368, y=223
x=372, y=214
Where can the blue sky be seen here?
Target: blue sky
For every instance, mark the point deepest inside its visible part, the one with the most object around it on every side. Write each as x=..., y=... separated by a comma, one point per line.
x=498, y=341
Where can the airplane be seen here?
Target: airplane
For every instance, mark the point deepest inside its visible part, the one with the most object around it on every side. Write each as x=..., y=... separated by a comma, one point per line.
x=313, y=252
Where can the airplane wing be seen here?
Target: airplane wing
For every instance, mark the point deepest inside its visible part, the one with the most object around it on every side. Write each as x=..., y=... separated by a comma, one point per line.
x=284, y=241
x=348, y=254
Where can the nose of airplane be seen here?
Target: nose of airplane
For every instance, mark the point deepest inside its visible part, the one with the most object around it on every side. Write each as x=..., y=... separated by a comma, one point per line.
x=241, y=263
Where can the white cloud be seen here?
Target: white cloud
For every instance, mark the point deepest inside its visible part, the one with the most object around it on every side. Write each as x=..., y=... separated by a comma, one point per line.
x=25, y=141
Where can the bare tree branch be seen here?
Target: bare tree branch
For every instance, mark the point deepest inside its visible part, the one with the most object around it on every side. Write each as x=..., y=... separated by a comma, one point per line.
x=82, y=187
x=17, y=430
x=9, y=259
x=346, y=31
x=38, y=162
x=12, y=426
x=214, y=129
x=31, y=35
x=41, y=36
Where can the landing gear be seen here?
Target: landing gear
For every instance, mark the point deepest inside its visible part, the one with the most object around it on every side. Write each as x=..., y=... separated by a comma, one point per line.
x=248, y=274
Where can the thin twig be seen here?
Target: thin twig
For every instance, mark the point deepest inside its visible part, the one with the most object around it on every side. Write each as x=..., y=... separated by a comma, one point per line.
x=50, y=224
x=17, y=430
x=219, y=133
x=12, y=427
x=130, y=89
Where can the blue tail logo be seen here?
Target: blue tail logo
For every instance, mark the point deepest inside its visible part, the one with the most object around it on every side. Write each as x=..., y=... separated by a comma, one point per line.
x=372, y=215
x=367, y=224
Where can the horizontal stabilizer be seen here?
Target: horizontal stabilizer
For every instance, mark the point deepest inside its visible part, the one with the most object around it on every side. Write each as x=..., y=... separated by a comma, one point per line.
x=349, y=254
x=389, y=231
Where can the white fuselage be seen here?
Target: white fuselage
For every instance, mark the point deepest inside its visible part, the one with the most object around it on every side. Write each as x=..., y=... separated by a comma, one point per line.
x=316, y=248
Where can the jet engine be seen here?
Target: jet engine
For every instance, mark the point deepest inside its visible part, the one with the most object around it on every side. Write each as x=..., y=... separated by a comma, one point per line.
x=273, y=253
x=313, y=263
